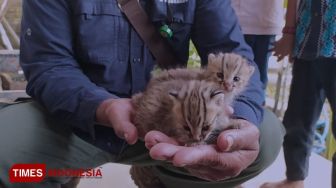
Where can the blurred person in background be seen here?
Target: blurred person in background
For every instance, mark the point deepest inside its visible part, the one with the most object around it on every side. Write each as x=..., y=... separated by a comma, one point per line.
x=309, y=40
x=260, y=21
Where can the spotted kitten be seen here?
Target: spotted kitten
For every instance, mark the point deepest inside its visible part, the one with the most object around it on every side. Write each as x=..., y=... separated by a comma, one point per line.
x=231, y=71
x=189, y=111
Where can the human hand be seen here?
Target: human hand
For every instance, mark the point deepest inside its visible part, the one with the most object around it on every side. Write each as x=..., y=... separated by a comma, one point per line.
x=284, y=47
x=116, y=113
x=236, y=149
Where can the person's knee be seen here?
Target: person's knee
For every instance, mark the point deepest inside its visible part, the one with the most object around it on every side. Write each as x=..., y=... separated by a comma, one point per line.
x=27, y=136
x=267, y=155
x=271, y=139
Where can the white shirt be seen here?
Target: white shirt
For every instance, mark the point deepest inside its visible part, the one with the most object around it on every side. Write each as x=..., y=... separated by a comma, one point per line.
x=260, y=17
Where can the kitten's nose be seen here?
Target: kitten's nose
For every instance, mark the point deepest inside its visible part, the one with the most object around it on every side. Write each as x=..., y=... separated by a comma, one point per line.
x=228, y=87
x=197, y=137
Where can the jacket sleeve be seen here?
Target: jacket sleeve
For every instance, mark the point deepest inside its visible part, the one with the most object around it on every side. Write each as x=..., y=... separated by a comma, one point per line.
x=54, y=76
x=215, y=29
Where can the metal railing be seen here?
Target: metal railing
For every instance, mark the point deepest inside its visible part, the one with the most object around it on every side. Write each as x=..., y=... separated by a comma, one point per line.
x=9, y=37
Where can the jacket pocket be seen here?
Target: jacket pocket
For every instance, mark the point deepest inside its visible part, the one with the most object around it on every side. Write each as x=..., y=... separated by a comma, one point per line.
x=102, y=31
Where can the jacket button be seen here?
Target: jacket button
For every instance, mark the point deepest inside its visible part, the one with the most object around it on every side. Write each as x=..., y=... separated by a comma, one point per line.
x=136, y=60
x=29, y=32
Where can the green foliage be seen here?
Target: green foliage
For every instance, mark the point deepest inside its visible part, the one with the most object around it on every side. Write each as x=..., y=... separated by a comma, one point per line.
x=285, y=3
x=194, y=59
x=330, y=145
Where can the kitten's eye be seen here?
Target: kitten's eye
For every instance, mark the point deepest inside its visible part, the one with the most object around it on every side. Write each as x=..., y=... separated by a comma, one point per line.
x=236, y=79
x=206, y=128
x=220, y=75
x=186, y=128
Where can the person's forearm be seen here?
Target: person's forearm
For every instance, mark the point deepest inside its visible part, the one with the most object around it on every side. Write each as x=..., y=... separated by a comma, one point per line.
x=291, y=13
x=49, y=60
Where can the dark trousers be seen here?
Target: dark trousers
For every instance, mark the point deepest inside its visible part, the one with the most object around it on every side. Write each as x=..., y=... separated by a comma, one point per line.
x=313, y=82
x=260, y=45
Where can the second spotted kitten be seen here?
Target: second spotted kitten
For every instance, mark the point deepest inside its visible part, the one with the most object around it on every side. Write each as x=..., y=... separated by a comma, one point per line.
x=231, y=71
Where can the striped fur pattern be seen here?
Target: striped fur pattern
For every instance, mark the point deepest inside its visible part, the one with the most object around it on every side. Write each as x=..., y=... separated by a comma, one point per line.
x=189, y=111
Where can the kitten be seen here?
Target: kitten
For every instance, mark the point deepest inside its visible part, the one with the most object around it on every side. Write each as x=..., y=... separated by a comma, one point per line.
x=189, y=111
x=231, y=71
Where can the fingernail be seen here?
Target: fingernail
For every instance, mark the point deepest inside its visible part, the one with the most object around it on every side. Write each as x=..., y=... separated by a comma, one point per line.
x=229, y=139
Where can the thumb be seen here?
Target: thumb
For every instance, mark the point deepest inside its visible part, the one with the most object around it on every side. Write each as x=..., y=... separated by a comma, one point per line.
x=127, y=131
x=245, y=137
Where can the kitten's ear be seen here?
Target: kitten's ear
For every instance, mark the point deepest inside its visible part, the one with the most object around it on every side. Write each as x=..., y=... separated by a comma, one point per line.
x=173, y=94
x=217, y=96
x=211, y=58
x=251, y=69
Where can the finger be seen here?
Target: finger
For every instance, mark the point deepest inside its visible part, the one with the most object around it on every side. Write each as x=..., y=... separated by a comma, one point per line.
x=281, y=57
x=182, y=156
x=196, y=155
x=154, y=137
x=245, y=137
x=276, y=53
x=164, y=151
x=120, y=113
x=224, y=165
